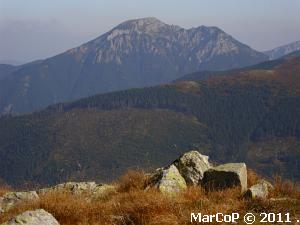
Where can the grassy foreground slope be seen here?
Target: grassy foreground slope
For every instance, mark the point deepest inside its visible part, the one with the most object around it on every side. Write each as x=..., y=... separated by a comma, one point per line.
x=249, y=115
x=131, y=204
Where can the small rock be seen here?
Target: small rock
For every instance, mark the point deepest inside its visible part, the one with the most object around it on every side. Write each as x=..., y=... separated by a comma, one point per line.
x=192, y=166
x=37, y=217
x=73, y=187
x=169, y=180
x=266, y=183
x=259, y=190
x=11, y=199
x=226, y=176
x=281, y=200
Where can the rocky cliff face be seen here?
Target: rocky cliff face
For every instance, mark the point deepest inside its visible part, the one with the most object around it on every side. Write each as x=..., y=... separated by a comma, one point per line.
x=136, y=53
x=195, y=46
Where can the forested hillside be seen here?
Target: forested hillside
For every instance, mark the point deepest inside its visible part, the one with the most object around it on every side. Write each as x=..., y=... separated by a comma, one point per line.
x=249, y=115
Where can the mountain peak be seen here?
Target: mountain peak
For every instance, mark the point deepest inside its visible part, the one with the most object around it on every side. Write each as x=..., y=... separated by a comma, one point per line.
x=145, y=20
x=147, y=25
x=142, y=22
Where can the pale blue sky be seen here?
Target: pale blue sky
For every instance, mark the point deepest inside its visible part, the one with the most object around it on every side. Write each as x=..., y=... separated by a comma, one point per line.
x=34, y=29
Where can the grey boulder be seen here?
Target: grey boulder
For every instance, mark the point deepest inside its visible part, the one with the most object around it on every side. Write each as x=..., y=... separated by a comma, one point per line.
x=11, y=199
x=192, y=166
x=259, y=190
x=37, y=217
x=226, y=176
x=168, y=180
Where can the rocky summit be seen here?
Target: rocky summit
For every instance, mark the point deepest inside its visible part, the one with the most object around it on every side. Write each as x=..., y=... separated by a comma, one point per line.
x=136, y=53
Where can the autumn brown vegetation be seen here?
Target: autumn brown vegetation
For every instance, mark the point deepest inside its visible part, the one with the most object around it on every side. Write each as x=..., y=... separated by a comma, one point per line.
x=131, y=204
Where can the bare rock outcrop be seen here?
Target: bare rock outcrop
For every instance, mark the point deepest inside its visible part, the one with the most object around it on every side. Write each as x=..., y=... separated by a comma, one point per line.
x=72, y=187
x=37, y=217
x=168, y=180
x=192, y=166
x=11, y=199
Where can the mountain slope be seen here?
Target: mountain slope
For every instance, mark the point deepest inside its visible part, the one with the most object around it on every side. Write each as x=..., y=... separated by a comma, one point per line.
x=283, y=50
x=136, y=53
x=268, y=65
x=5, y=70
x=246, y=115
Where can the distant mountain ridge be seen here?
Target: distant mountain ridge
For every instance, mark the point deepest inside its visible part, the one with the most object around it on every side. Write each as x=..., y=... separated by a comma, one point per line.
x=283, y=50
x=11, y=62
x=249, y=115
x=136, y=53
x=267, y=65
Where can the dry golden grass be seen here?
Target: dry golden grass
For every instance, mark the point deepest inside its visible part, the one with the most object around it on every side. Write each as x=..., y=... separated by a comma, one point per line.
x=4, y=190
x=285, y=188
x=252, y=177
x=132, y=180
x=132, y=205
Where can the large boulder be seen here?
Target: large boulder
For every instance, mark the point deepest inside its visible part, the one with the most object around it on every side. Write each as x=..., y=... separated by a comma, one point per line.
x=71, y=187
x=11, y=199
x=192, y=166
x=226, y=176
x=37, y=217
x=259, y=190
x=168, y=180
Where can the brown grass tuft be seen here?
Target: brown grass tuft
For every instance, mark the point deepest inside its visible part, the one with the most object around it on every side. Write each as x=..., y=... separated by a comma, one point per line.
x=284, y=188
x=252, y=177
x=132, y=180
x=4, y=190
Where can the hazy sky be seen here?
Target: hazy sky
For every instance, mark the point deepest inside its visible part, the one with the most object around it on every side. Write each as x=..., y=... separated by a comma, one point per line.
x=35, y=29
